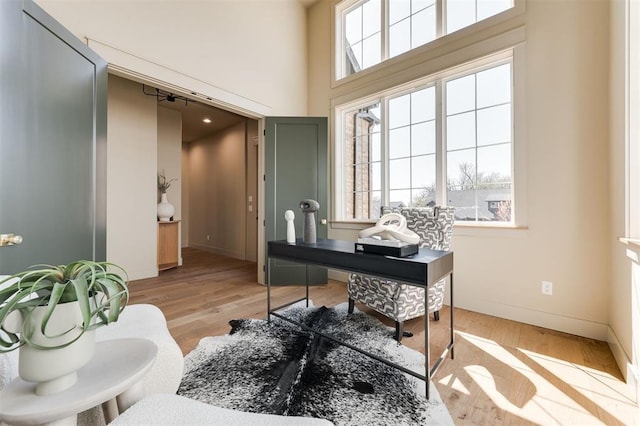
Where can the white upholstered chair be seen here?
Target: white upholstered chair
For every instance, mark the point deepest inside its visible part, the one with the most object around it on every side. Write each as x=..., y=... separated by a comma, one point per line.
x=401, y=301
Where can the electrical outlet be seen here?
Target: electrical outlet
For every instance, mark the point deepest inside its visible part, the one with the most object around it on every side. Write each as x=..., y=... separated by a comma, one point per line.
x=207, y=237
x=547, y=288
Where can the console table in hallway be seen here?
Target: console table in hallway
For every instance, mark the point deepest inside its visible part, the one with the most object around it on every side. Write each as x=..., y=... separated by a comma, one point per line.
x=422, y=270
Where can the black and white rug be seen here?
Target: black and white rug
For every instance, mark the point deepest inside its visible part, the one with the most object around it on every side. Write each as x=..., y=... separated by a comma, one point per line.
x=278, y=369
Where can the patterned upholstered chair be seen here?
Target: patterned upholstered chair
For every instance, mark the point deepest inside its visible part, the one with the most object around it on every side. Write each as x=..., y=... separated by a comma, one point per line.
x=400, y=301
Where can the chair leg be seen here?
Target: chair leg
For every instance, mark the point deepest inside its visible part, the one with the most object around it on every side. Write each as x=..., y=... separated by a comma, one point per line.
x=351, y=305
x=399, y=332
x=436, y=315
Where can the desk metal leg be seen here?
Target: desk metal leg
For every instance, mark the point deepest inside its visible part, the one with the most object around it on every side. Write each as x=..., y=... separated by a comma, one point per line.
x=427, y=355
x=306, y=268
x=451, y=312
x=268, y=278
x=427, y=350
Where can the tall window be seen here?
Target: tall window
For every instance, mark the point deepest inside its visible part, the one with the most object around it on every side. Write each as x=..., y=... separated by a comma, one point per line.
x=371, y=31
x=478, y=144
x=412, y=148
x=449, y=141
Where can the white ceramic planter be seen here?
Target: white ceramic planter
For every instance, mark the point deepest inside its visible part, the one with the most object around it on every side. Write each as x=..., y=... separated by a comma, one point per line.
x=53, y=370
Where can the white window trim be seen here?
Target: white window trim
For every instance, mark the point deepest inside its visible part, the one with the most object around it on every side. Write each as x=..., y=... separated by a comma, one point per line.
x=440, y=43
x=519, y=146
x=632, y=127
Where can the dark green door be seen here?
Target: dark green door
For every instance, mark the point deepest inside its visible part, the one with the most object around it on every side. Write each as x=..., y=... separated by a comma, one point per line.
x=52, y=141
x=295, y=169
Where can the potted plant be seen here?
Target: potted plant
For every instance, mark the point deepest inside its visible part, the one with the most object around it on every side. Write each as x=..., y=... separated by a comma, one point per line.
x=51, y=312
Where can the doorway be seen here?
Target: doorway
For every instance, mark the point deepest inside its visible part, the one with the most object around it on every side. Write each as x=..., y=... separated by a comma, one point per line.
x=218, y=174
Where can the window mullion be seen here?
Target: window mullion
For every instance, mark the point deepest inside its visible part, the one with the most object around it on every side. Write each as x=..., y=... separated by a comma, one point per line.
x=475, y=134
x=384, y=142
x=441, y=163
x=384, y=28
x=440, y=15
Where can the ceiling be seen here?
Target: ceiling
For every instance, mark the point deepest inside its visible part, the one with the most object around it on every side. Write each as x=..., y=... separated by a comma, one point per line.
x=193, y=112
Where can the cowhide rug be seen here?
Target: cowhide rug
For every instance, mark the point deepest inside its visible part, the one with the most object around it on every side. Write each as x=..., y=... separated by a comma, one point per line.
x=276, y=368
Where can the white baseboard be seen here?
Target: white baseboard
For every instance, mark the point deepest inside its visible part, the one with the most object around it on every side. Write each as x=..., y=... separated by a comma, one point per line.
x=579, y=327
x=629, y=371
x=565, y=324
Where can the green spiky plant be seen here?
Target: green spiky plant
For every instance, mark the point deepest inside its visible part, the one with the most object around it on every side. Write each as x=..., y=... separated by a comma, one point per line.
x=102, y=295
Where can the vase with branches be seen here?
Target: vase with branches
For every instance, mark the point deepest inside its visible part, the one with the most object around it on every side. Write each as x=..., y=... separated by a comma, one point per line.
x=165, y=208
x=164, y=183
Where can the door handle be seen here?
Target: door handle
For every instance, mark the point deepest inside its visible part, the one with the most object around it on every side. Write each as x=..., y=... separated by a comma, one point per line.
x=10, y=239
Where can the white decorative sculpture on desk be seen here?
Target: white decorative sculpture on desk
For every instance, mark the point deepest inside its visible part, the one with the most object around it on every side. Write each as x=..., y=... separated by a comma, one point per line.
x=291, y=229
x=392, y=226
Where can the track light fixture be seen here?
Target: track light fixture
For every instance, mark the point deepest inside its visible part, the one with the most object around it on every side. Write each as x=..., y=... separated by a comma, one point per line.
x=161, y=95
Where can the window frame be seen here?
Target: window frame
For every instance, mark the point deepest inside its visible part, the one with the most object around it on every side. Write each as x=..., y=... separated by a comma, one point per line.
x=342, y=8
x=513, y=55
x=430, y=48
x=443, y=160
x=420, y=85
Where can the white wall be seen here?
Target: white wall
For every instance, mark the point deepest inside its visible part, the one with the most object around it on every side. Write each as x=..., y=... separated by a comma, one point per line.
x=566, y=236
x=169, y=131
x=132, y=233
x=249, y=50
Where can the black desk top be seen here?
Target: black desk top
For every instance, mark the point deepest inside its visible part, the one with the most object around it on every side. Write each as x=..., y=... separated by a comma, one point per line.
x=423, y=268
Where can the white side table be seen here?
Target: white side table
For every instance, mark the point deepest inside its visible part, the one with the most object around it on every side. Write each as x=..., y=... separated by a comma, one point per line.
x=114, y=371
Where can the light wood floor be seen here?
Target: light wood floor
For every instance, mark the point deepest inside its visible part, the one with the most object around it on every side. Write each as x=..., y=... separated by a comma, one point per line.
x=504, y=372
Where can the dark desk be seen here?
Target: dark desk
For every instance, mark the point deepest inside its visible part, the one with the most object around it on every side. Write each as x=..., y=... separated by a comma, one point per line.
x=422, y=269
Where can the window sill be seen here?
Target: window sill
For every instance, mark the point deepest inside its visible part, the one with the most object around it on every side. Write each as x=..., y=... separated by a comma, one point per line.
x=352, y=224
x=488, y=230
x=633, y=248
x=459, y=229
x=630, y=241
